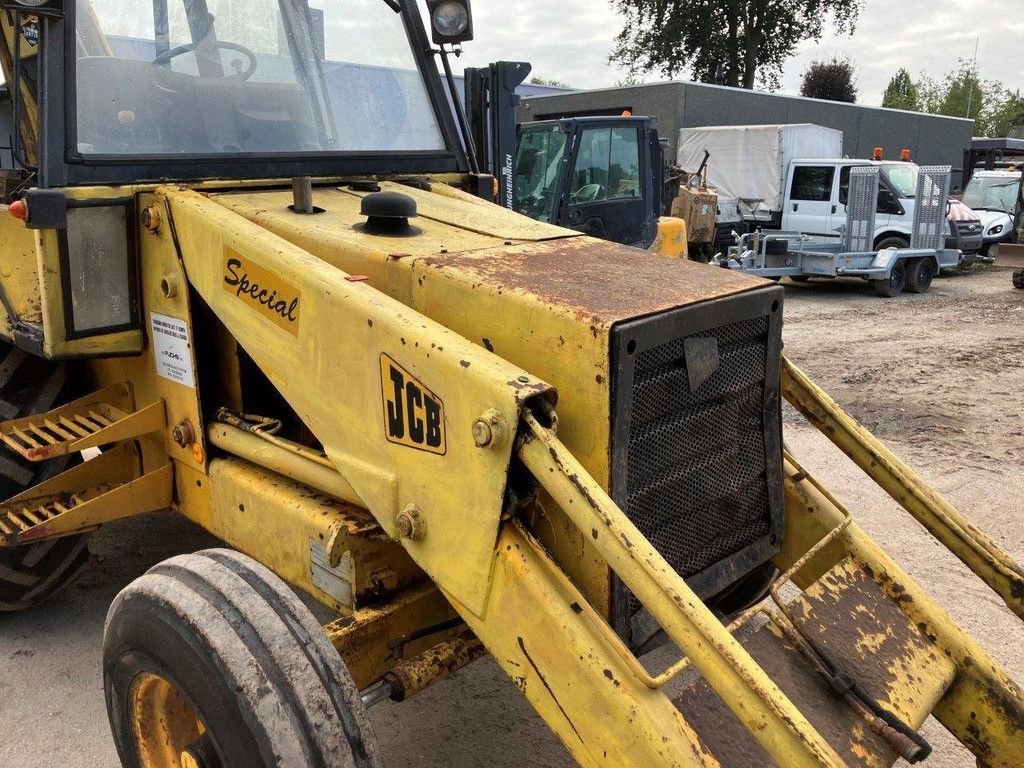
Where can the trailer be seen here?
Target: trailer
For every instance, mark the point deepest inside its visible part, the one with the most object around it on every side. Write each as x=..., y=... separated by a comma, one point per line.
x=799, y=256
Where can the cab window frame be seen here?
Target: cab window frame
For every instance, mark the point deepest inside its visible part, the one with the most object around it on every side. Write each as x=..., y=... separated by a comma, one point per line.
x=827, y=188
x=59, y=164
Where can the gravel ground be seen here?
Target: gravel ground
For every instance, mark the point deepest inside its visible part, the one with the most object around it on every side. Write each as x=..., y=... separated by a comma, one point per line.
x=939, y=376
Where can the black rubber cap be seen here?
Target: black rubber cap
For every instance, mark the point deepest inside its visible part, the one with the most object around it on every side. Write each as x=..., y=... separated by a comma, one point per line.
x=388, y=205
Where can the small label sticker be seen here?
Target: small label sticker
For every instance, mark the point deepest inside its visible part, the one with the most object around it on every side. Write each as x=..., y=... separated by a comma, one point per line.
x=261, y=291
x=172, y=349
x=413, y=415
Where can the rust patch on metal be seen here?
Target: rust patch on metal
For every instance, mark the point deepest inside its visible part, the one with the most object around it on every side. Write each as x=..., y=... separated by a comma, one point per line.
x=864, y=632
x=604, y=281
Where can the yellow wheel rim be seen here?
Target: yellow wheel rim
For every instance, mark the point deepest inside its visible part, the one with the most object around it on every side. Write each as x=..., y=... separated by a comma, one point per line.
x=163, y=723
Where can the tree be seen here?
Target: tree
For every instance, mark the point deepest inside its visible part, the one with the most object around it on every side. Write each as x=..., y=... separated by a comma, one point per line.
x=1009, y=114
x=963, y=92
x=753, y=38
x=547, y=81
x=835, y=80
x=902, y=93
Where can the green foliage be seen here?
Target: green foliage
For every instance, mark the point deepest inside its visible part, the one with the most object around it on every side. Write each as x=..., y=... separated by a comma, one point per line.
x=962, y=92
x=750, y=39
x=835, y=80
x=902, y=92
x=1009, y=114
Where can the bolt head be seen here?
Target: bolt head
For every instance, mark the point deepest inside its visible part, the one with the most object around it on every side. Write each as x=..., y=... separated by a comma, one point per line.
x=410, y=523
x=490, y=430
x=183, y=434
x=151, y=219
x=482, y=434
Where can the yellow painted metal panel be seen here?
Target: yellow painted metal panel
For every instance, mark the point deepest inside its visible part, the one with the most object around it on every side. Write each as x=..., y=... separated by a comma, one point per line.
x=329, y=374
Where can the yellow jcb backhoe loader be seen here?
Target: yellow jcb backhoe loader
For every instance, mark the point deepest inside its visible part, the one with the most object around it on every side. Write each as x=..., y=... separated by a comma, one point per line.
x=247, y=276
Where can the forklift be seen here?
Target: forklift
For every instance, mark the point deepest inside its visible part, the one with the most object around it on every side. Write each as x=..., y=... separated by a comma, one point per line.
x=603, y=176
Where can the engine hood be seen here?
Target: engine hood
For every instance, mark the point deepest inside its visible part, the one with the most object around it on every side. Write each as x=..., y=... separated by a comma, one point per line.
x=483, y=245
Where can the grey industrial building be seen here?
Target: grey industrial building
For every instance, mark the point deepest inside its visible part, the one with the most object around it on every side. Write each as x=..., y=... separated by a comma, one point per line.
x=931, y=139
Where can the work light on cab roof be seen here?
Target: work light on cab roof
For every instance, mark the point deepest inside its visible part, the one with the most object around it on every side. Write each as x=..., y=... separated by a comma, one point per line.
x=450, y=21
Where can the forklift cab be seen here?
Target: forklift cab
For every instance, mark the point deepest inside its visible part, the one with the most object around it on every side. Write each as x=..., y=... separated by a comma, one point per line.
x=598, y=175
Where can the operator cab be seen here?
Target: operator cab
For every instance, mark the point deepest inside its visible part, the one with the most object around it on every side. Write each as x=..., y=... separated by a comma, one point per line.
x=598, y=175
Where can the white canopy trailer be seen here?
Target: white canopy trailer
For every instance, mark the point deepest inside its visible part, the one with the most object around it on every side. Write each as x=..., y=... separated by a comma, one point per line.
x=750, y=162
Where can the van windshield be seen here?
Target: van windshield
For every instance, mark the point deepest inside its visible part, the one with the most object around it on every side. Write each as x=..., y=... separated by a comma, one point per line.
x=993, y=193
x=902, y=177
x=230, y=77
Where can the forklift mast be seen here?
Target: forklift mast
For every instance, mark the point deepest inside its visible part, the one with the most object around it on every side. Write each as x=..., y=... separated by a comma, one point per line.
x=491, y=103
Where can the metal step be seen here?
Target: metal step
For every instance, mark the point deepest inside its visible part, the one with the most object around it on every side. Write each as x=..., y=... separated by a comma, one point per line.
x=852, y=620
x=101, y=418
x=109, y=487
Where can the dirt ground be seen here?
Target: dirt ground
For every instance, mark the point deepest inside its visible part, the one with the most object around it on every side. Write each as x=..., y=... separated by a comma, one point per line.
x=940, y=376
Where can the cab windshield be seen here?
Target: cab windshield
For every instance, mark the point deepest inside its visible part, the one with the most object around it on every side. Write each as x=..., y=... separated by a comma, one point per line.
x=537, y=171
x=993, y=193
x=159, y=78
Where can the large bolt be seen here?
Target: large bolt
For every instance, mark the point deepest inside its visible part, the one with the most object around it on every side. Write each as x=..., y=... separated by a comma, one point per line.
x=490, y=429
x=151, y=219
x=411, y=524
x=183, y=434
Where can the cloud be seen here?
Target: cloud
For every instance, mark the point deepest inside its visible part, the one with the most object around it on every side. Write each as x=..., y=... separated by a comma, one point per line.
x=570, y=40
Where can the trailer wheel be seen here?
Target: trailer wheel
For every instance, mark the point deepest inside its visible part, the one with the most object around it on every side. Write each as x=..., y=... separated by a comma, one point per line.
x=33, y=573
x=895, y=284
x=920, y=273
x=211, y=661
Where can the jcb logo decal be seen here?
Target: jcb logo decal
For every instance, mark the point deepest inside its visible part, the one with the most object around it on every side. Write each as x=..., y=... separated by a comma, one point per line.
x=413, y=415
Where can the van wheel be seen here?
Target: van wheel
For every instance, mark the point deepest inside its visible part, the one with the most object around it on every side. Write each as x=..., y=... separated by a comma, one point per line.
x=920, y=273
x=893, y=241
x=895, y=284
x=211, y=660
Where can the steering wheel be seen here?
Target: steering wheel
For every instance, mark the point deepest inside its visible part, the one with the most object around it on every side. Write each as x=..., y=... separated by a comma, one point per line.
x=588, y=193
x=166, y=56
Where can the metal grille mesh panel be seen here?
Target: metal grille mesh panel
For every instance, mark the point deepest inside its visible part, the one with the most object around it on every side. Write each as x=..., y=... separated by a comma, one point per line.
x=930, y=225
x=861, y=206
x=697, y=484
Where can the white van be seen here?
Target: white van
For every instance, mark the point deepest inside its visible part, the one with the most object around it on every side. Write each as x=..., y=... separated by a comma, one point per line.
x=815, y=203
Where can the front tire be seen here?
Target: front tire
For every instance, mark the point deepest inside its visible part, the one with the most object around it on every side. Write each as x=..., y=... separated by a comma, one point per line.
x=211, y=660
x=920, y=274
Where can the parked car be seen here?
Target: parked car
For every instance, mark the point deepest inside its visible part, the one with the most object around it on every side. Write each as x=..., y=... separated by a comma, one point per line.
x=994, y=195
x=965, y=230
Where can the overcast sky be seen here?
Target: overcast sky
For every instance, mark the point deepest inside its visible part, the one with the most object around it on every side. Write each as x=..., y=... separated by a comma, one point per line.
x=569, y=40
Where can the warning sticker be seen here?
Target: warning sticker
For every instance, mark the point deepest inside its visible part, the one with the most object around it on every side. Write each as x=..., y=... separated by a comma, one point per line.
x=172, y=349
